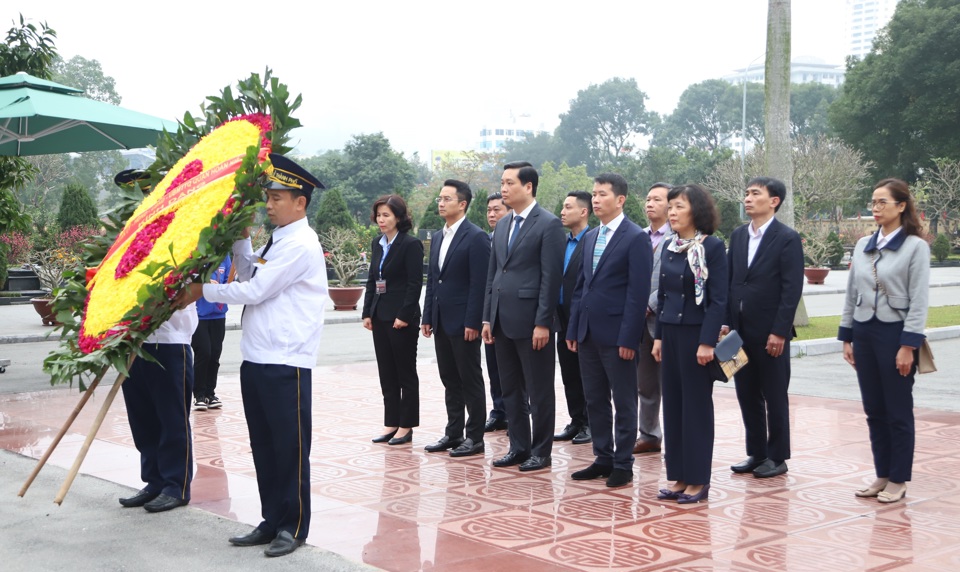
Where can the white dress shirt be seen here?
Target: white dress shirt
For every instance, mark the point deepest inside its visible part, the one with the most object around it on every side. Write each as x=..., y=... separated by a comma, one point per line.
x=283, y=317
x=178, y=329
x=448, y=233
x=755, y=237
x=883, y=240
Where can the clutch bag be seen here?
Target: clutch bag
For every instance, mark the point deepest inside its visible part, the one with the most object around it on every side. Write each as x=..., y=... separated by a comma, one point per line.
x=925, y=363
x=728, y=357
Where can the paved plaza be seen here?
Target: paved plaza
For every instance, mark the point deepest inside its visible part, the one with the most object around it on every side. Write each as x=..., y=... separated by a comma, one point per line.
x=399, y=508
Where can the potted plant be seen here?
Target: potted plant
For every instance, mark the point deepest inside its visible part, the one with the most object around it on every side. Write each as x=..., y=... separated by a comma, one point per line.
x=821, y=249
x=51, y=262
x=343, y=252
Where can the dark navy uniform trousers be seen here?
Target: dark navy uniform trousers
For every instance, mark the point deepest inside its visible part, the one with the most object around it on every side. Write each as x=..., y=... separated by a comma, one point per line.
x=887, y=397
x=277, y=405
x=158, y=397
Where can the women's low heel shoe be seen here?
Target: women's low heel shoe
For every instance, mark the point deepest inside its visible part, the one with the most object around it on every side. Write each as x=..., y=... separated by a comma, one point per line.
x=868, y=492
x=384, y=438
x=667, y=494
x=684, y=498
x=885, y=497
x=401, y=440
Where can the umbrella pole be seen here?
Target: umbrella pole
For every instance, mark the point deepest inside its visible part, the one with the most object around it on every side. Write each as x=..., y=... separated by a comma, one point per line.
x=89, y=440
x=63, y=431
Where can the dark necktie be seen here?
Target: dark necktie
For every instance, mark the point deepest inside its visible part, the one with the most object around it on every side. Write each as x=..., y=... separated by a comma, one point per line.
x=516, y=230
x=262, y=254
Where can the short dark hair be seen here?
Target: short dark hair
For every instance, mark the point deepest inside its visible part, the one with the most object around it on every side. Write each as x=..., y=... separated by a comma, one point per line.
x=463, y=190
x=706, y=218
x=526, y=173
x=617, y=182
x=775, y=188
x=399, y=208
x=584, y=198
x=659, y=185
x=494, y=197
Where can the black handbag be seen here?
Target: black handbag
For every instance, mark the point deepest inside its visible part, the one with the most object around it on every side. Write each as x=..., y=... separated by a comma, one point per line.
x=728, y=357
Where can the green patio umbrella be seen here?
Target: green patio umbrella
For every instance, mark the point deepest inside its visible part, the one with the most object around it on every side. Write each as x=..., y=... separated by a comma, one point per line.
x=40, y=117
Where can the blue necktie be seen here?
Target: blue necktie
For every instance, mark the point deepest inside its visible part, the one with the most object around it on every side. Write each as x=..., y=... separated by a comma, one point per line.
x=516, y=230
x=601, y=244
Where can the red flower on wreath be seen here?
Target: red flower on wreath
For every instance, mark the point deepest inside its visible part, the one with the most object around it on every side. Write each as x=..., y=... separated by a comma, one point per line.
x=142, y=244
x=192, y=169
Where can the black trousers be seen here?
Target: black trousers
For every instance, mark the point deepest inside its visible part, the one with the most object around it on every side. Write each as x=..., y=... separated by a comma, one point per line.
x=887, y=397
x=526, y=377
x=764, y=404
x=572, y=382
x=157, y=396
x=277, y=404
x=397, y=363
x=687, y=406
x=606, y=379
x=207, y=346
x=496, y=394
x=459, y=364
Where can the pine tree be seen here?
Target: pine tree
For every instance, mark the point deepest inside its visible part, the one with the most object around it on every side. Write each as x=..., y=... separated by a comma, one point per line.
x=76, y=208
x=333, y=212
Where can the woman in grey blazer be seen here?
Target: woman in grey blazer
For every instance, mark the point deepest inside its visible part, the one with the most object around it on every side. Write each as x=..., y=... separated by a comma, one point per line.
x=882, y=329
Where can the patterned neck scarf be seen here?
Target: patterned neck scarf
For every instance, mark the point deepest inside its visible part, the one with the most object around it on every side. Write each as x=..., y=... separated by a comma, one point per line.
x=696, y=258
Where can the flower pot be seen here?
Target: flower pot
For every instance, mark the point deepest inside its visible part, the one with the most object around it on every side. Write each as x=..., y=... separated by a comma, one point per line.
x=44, y=307
x=345, y=298
x=816, y=275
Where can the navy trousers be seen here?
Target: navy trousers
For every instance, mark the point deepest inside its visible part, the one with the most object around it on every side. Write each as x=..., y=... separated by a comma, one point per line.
x=496, y=394
x=458, y=362
x=887, y=397
x=572, y=382
x=158, y=397
x=764, y=404
x=207, y=346
x=526, y=377
x=687, y=406
x=277, y=405
x=396, y=351
x=607, y=380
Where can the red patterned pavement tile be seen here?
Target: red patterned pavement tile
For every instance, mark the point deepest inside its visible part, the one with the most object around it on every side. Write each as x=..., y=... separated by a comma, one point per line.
x=604, y=551
x=514, y=528
x=791, y=554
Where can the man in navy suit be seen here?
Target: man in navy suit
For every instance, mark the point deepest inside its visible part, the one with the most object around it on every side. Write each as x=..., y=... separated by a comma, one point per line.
x=497, y=420
x=766, y=281
x=452, y=309
x=576, y=211
x=607, y=322
x=523, y=286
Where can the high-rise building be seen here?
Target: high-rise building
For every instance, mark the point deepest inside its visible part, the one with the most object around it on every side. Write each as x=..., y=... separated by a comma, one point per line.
x=864, y=19
x=495, y=133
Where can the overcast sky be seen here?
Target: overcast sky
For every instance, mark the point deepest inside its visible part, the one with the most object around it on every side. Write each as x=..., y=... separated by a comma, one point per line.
x=429, y=74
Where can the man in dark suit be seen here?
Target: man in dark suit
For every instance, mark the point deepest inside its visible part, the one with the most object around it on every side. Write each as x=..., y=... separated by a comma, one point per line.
x=452, y=312
x=576, y=210
x=523, y=286
x=607, y=322
x=497, y=420
x=766, y=281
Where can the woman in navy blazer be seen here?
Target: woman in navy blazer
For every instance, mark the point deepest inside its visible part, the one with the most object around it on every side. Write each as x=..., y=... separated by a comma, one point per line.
x=692, y=301
x=391, y=310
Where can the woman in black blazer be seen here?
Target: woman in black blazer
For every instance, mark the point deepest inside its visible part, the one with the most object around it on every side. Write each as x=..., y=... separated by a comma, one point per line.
x=692, y=304
x=391, y=310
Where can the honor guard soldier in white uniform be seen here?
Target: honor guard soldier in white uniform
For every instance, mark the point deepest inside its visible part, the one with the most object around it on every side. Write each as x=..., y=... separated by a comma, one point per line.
x=157, y=396
x=284, y=289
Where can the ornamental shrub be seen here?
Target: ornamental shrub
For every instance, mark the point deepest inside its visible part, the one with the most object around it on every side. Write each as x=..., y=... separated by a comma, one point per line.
x=431, y=219
x=76, y=208
x=941, y=247
x=834, y=249
x=17, y=246
x=333, y=212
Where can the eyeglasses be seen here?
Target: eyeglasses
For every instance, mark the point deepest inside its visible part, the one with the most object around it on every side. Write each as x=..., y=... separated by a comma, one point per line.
x=881, y=204
x=445, y=200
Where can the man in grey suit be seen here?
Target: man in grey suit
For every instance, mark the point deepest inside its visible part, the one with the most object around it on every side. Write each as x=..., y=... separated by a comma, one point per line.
x=648, y=369
x=523, y=287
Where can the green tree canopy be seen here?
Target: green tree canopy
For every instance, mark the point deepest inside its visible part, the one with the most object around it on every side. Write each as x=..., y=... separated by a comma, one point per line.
x=899, y=104
x=76, y=208
x=707, y=114
x=604, y=121
x=369, y=168
x=333, y=212
x=556, y=182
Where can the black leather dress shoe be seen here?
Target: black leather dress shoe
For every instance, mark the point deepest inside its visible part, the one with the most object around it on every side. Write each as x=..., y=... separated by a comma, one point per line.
x=283, y=544
x=141, y=498
x=569, y=432
x=442, y=444
x=747, y=465
x=536, y=463
x=770, y=468
x=467, y=448
x=584, y=436
x=510, y=459
x=594, y=471
x=255, y=538
x=494, y=425
x=164, y=503
x=408, y=438
x=385, y=437
x=619, y=478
